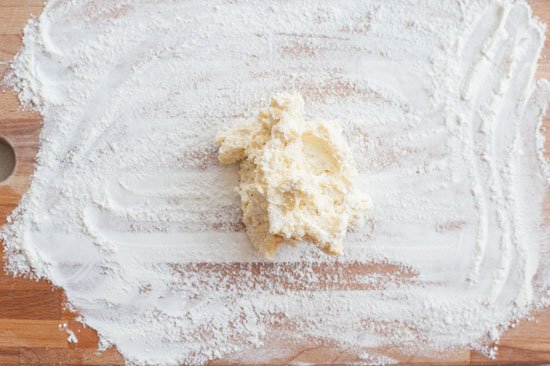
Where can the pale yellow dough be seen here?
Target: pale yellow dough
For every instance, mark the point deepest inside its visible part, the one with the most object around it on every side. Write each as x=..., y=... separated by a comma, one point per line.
x=296, y=177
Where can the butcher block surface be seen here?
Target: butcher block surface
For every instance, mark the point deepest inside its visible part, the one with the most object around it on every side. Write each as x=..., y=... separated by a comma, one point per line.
x=32, y=313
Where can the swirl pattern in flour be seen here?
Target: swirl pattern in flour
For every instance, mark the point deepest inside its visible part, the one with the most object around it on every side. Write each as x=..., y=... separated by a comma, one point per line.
x=131, y=214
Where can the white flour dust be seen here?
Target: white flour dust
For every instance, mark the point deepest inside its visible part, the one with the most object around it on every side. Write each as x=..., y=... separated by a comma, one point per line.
x=131, y=214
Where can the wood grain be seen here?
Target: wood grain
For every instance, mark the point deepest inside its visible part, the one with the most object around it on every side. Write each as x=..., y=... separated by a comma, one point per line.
x=32, y=333
x=31, y=312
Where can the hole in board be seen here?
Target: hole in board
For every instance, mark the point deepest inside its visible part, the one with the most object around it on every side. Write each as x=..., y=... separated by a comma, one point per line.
x=7, y=159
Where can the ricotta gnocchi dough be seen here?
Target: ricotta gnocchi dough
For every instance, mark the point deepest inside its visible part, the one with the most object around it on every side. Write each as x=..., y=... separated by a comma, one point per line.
x=296, y=177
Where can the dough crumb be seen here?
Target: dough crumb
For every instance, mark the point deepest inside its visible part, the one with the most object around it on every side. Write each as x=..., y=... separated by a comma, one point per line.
x=296, y=177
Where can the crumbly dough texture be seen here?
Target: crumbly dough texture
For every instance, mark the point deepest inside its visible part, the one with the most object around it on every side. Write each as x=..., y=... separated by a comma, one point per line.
x=296, y=177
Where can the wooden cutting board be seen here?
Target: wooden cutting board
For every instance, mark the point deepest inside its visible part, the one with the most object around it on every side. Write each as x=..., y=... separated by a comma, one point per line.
x=31, y=313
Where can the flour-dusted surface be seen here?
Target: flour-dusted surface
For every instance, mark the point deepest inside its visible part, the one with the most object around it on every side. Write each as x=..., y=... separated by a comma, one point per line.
x=143, y=228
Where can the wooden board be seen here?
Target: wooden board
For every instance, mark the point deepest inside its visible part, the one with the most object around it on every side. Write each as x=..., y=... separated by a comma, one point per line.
x=31, y=312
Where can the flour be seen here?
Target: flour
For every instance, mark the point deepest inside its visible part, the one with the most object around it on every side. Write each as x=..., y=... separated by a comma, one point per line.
x=130, y=213
x=71, y=336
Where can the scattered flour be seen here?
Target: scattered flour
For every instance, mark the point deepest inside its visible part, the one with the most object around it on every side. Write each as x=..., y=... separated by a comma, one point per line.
x=71, y=336
x=376, y=360
x=131, y=214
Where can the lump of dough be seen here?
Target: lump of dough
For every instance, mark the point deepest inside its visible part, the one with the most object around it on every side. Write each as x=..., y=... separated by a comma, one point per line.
x=296, y=177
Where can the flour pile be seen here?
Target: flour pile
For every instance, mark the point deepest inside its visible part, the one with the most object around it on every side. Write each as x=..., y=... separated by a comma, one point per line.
x=130, y=212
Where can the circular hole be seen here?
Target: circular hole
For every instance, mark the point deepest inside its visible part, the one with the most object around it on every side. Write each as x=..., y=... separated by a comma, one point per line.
x=7, y=159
